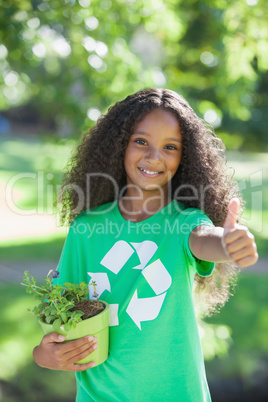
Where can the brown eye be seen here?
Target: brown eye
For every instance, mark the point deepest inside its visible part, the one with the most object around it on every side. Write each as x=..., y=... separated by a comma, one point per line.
x=140, y=141
x=171, y=147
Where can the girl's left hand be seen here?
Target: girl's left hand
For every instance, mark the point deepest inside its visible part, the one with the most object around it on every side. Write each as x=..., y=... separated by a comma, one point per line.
x=237, y=240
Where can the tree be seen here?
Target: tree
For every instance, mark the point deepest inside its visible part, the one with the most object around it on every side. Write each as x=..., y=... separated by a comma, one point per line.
x=68, y=61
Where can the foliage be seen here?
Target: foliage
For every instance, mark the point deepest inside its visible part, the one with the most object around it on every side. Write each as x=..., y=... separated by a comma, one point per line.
x=56, y=302
x=70, y=60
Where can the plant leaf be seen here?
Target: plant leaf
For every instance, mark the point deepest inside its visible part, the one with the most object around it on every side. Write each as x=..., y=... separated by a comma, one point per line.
x=67, y=326
x=64, y=317
x=57, y=324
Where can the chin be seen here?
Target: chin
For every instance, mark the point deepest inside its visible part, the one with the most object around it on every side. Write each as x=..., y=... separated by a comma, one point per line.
x=153, y=187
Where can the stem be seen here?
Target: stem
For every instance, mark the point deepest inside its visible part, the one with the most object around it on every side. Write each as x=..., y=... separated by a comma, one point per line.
x=33, y=288
x=55, y=304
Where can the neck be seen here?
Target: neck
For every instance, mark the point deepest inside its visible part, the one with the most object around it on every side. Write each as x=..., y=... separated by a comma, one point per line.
x=137, y=206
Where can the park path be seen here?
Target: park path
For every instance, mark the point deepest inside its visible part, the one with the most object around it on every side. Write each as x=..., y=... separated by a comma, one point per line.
x=16, y=223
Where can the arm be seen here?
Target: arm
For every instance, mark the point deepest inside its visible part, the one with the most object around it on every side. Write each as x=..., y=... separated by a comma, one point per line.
x=233, y=242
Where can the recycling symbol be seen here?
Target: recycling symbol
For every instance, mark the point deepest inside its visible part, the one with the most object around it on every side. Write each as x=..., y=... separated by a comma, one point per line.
x=139, y=309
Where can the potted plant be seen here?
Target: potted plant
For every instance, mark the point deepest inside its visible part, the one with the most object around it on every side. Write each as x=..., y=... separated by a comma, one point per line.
x=67, y=310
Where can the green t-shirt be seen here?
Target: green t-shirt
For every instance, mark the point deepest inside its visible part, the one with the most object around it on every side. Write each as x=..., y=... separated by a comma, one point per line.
x=145, y=270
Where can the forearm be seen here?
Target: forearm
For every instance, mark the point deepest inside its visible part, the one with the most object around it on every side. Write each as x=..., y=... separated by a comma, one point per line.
x=205, y=242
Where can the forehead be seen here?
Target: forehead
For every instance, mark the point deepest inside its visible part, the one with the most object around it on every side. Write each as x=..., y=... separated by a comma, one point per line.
x=159, y=120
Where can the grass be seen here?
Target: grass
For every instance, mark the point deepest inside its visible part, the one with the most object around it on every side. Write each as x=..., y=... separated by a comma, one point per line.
x=32, y=248
x=41, y=163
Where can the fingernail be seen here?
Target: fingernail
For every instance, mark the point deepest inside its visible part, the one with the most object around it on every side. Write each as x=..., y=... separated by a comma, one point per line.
x=93, y=364
x=95, y=346
x=90, y=338
x=95, y=339
x=61, y=338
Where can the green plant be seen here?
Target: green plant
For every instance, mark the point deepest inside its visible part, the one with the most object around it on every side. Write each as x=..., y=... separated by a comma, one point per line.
x=57, y=302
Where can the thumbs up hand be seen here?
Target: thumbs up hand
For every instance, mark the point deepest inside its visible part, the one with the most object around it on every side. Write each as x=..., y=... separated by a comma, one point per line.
x=237, y=241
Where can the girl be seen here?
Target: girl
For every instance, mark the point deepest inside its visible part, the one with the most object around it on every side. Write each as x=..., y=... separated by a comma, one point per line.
x=152, y=209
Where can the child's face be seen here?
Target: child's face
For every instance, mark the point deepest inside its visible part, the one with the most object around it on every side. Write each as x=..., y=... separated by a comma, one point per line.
x=154, y=151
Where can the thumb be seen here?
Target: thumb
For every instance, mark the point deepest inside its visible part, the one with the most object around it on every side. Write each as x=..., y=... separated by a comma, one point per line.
x=232, y=214
x=53, y=337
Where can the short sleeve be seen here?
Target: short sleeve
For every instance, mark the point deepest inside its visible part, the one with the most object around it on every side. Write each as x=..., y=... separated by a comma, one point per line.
x=193, y=218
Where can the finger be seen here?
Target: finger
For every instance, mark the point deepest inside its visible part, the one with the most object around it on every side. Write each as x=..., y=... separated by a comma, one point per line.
x=53, y=337
x=246, y=262
x=239, y=244
x=232, y=214
x=75, y=352
x=237, y=233
x=71, y=345
x=82, y=367
x=243, y=253
x=81, y=355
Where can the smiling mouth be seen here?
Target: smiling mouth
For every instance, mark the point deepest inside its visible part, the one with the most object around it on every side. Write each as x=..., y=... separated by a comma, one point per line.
x=150, y=172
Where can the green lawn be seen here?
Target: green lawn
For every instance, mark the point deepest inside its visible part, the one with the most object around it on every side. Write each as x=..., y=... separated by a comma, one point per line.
x=33, y=248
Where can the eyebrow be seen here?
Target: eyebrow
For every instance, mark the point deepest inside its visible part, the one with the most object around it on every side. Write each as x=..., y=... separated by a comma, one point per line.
x=168, y=139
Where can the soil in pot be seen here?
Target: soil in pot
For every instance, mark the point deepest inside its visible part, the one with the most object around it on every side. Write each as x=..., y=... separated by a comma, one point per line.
x=90, y=308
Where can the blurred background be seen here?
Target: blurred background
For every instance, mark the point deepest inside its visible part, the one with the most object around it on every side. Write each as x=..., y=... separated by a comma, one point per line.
x=63, y=63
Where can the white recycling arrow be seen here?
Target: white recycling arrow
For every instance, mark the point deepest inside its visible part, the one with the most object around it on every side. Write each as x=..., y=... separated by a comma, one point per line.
x=145, y=251
x=145, y=309
x=117, y=256
x=157, y=276
x=102, y=282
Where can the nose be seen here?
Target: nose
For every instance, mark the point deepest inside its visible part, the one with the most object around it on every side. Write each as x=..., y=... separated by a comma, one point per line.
x=153, y=155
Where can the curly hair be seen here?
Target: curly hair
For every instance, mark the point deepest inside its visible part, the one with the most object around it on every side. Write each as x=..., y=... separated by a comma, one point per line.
x=203, y=167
